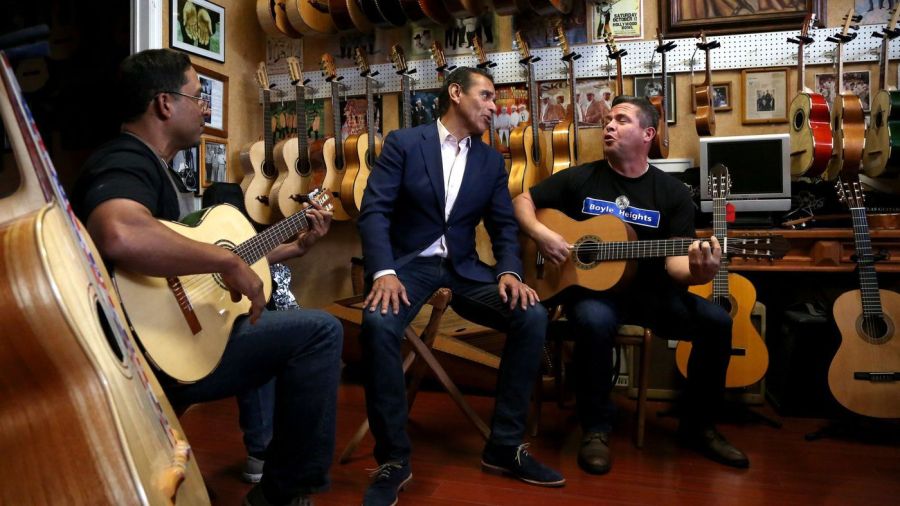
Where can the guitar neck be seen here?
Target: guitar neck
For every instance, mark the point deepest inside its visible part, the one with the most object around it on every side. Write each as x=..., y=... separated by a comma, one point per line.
x=720, y=281
x=868, y=279
x=620, y=79
x=801, y=67
x=261, y=244
x=534, y=106
x=883, y=64
x=633, y=250
x=268, y=138
x=406, y=100
x=302, y=140
x=574, y=118
x=708, y=83
x=336, y=119
x=370, y=122
x=839, y=79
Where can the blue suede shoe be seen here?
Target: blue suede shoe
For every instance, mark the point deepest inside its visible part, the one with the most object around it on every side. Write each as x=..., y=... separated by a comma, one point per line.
x=517, y=462
x=389, y=479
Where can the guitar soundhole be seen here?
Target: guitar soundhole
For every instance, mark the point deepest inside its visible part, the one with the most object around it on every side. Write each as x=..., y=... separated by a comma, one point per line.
x=587, y=251
x=726, y=304
x=875, y=329
x=110, y=336
x=879, y=120
x=269, y=170
x=217, y=277
x=303, y=167
x=799, y=120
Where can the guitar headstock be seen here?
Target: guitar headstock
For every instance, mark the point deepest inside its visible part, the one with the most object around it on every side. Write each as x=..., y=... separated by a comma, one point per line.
x=719, y=182
x=295, y=70
x=362, y=62
x=561, y=37
x=705, y=44
x=611, y=47
x=328, y=68
x=663, y=47
x=323, y=198
x=895, y=14
x=398, y=58
x=522, y=45
x=804, y=38
x=845, y=36
x=262, y=76
x=478, y=49
x=850, y=193
x=769, y=246
x=437, y=54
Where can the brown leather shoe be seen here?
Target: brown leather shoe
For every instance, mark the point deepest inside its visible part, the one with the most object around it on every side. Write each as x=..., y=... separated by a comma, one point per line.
x=593, y=456
x=714, y=446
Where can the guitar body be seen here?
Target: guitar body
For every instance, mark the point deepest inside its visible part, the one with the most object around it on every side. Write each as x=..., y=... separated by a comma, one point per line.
x=256, y=185
x=334, y=175
x=749, y=358
x=283, y=171
x=273, y=18
x=848, y=130
x=860, y=353
x=706, y=116
x=299, y=178
x=348, y=16
x=310, y=17
x=524, y=170
x=562, y=146
x=383, y=13
x=76, y=418
x=812, y=142
x=660, y=146
x=357, y=175
x=158, y=319
x=881, y=156
x=597, y=276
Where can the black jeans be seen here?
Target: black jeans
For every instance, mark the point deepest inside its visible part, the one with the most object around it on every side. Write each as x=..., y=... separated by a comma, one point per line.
x=670, y=311
x=476, y=301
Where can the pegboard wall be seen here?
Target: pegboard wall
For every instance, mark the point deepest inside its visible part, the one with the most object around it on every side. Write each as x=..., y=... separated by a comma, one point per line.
x=756, y=50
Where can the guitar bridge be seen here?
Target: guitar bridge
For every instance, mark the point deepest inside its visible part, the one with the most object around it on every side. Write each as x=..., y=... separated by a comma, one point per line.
x=187, y=310
x=302, y=199
x=877, y=377
x=263, y=198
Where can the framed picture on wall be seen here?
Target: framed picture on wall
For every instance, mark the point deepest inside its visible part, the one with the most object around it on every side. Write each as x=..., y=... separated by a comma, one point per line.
x=214, y=89
x=214, y=158
x=687, y=17
x=856, y=82
x=764, y=96
x=198, y=27
x=721, y=96
x=647, y=87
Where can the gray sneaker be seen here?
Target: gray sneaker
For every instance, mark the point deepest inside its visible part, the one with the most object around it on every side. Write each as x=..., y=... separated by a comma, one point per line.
x=253, y=470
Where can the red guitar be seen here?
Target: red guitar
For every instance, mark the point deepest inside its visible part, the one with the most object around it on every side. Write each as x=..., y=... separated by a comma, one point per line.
x=811, y=141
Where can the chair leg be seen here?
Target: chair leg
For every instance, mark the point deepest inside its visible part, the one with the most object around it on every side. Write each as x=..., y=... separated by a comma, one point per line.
x=643, y=384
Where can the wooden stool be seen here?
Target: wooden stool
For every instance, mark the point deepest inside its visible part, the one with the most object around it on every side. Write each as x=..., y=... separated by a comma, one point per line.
x=416, y=363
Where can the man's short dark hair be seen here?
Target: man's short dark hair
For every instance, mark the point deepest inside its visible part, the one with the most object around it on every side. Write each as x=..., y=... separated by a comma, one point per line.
x=144, y=75
x=463, y=77
x=647, y=113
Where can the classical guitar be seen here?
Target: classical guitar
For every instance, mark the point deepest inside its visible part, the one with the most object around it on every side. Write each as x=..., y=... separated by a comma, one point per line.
x=332, y=152
x=864, y=375
x=563, y=151
x=83, y=419
x=384, y=13
x=310, y=17
x=273, y=18
x=811, y=138
x=706, y=115
x=296, y=174
x=603, y=247
x=489, y=137
x=184, y=322
x=527, y=164
x=348, y=17
x=848, y=126
x=258, y=161
x=398, y=59
x=880, y=158
x=361, y=150
x=735, y=294
x=440, y=62
x=660, y=146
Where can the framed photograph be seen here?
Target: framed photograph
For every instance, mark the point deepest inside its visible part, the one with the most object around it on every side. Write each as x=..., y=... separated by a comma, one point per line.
x=540, y=30
x=764, y=96
x=354, y=116
x=856, y=82
x=184, y=165
x=214, y=157
x=198, y=27
x=646, y=86
x=625, y=19
x=721, y=96
x=425, y=106
x=687, y=17
x=214, y=89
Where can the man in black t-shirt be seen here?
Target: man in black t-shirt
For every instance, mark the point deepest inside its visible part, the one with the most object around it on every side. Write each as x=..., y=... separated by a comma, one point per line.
x=656, y=206
x=126, y=186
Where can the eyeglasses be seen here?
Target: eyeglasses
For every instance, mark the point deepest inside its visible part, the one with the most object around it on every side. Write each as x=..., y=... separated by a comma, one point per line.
x=201, y=102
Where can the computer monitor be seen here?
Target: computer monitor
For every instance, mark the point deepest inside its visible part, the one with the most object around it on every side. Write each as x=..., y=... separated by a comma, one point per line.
x=759, y=167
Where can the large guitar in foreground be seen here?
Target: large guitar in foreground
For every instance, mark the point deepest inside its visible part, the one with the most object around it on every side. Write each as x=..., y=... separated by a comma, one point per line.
x=811, y=139
x=82, y=420
x=603, y=247
x=864, y=375
x=734, y=293
x=184, y=322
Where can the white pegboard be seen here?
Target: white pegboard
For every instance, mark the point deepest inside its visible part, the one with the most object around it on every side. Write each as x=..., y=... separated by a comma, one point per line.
x=755, y=50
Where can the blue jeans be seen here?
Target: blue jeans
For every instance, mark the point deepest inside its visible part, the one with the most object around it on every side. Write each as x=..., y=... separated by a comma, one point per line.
x=256, y=408
x=479, y=302
x=672, y=312
x=301, y=351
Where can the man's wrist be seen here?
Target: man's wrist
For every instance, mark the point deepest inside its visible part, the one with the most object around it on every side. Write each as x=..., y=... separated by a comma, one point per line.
x=383, y=273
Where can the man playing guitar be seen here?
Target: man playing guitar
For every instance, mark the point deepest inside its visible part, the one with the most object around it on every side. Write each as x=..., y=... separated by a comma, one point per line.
x=657, y=206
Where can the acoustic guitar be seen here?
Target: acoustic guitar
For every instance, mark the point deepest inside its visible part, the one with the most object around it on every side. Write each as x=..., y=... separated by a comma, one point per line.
x=297, y=176
x=563, y=151
x=331, y=152
x=258, y=161
x=848, y=126
x=705, y=118
x=348, y=17
x=864, y=375
x=615, y=54
x=527, y=164
x=811, y=138
x=880, y=158
x=84, y=420
x=184, y=322
x=398, y=59
x=384, y=13
x=310, y=17
x=603, y=250
x=361, y=150
x=489, y=137
x=659, y=148
x=273, y=18
x=734, y=293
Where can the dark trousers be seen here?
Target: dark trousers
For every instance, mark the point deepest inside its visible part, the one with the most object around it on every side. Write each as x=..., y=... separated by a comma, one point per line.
x=301, y=350
x=479, y=302
x=670, y=311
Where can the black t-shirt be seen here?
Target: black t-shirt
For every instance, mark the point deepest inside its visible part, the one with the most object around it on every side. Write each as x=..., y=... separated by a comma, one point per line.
x=655, y=204
x=125, y=168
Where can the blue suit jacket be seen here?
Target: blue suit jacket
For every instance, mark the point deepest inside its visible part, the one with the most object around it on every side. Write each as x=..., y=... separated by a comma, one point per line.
x=403, y=207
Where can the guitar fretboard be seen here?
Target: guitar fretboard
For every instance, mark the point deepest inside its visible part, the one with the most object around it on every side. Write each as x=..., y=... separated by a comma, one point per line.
x=261, y=244
x=721, y=289
x=868, y=280
x=406, y=100
x=633, y=250
x=302, y=141
x=371, y=127
x=268, y=169
x=336, y=118
x=534, y=107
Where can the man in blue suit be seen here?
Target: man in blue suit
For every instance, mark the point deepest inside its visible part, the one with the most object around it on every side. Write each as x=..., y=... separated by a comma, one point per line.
x=430, y=188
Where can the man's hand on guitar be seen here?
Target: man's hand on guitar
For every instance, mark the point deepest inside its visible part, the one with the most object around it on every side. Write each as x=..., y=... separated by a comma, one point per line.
x=554, y=247
x=386, y=291
x=319, y=222
x=516, y=292
x=704, y=259
x=241, y=280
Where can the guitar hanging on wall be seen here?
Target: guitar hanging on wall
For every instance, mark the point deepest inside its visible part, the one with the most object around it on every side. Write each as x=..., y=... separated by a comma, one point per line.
x=489, y=137
x=332, y=151
x=881, y=156
x=847, y=120
x=660, y=146
x=258, y=161
x=564, y=139
x=361, y=150
x=706, y=115
x=526, y=168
